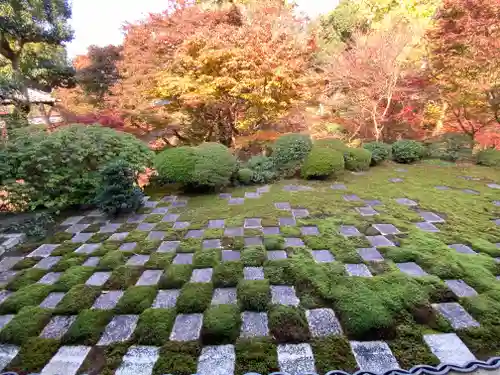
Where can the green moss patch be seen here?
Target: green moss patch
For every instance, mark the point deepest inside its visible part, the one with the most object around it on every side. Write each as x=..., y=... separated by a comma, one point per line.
x=180, y=358
x=73, y=276
x=288, y=324
x=176, y=276
x=194, y=298
x=221, y=325
x=88, y=327
x=254, y=295
x=30, y=295
x=136, y=299
x=154, y=326
x=26, y=277
x=33, y=355
x=227, y=274
x=253, y=256
x=333, y=353
x=257, y=355
x=112, y=260
x=123, y=277
x=28, y=322
x=207, y=258
x=78, y=298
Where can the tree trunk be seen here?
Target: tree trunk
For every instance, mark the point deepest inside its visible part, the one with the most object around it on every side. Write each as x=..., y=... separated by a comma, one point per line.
x=22, y=104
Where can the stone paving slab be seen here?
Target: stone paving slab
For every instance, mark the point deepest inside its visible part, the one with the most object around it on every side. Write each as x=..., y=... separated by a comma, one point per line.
x=4, y=294
x=58, y=326
x=139, y=360
x=52, y=300
x=217, y=360
x=146, y=227
x=463, y=249
x=194, y=233
x=91, y=262
x=349, y=231
x=252, y=223
x=72, y=220
x=120, y=329
x=149, y=277
x=456, y=315
x=373, y=202
x=338, y=187
x=309, y=231
x=67, y=360
x=160, y=211
x=216, y=224
x=5, y=319
x=374, y=356
x=7, y=354
x=6, y=277
x=379, y=241
x=170, y=218
x=366, y=211
x=322, y=256
x=293, y=242
x=323, y=322
x=254, y=324
x=109, y=228
x=253, y=241
x=136, y=219
x=449, y=349
x=166, y=299
x=411, y=268
x=284, y=206
x=8, y=262
x=276, y=254
x=234, y=232
x=77, y=228
x=224, y=296
x=427, y=227
x=236, y=201
x=88, y=248
x=441, y=187
x=360, y=270
x=47, y=263
x=460, y=288
x=351, y=198
x=271, y=231
x=169, y=246
x=299, y=213
x=253, y=273
x=98, y=278
x=41, y=251
x=493, y=186
x=370, y=254
x=296, y=359
x=202, y=275
x=230, y=255
x=108, y=300
x=431, y=217
x=287, y=221
x=386, y=229
x=396, y=180
x=187, y=327
x=471, y=191
x=211, y=244
x=81, y=237
x=156, y=236
x=284, y=295
x=406, y=202
x=50, y=278
x=137, y=260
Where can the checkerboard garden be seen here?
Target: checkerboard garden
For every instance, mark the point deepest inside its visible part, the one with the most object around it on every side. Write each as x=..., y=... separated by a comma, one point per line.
x=384, y=269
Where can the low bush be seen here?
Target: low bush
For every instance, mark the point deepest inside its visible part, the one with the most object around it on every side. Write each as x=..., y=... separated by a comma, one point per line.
x=215, y=165
x=176, y=165
x=331, y=143
x=407, y=151
x=380, y=151
x=488, y=158
x=322, y=163
x=289, y=151
x=357, y=159
x=245, y=176
x=263, y=169
x=451, y=147
x=119, y=192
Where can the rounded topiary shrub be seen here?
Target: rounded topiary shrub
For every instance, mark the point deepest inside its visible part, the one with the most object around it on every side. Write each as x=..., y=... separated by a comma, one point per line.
x=357, y=159
x=451, y=147
x=61, y=168
x=245, y=176
x=289, y=151
x=489, y=158
x=332, y=143
x=380, y=151
x=322, y=163
x=176, y=164
x=407, y=151
x=263, y=169
x=214, y=167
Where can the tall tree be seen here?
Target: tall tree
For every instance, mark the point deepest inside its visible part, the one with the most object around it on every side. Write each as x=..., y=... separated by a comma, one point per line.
x=32, y=33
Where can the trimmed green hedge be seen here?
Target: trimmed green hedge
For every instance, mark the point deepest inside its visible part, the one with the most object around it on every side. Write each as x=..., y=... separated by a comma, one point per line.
x=489, y=158
x=322, y=163
x=357, y=159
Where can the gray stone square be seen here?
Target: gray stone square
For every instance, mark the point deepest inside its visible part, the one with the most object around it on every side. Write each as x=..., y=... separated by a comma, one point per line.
x=411, y=268
x=136, y=219
x=471, y=191
x=338, y=187
x=202, y=275
x=224, y=296
x=128, y=246
x=211, y=244
x=449, y=349
x=253, y=223
x=284, y=206
x=456, y=315
x=47, y=263
x=349, y=231
x=8, y=262
x=137, y=260
x=67, y=360
x=431, y=217
x=323, y=322
x=170, y=218
x=497, y=221
x=160, y=211
x=357, y=270
x=427, y=227
x=156, y=236
x=253, y=241
x=296, y=359
x=401, y=170
x=463, y=249
x=396, y=180
x=293, y=242
x=184, y=258
x=441, y=187
x=351, y=198
x=146, y=227
x=166, y=299
x=57, y=327
x=366, y=211
x=460, y=288
x=385, y=229
x=373, y=202
x=374, y=356
x=236, y=201
x=370, y=254
x=309, y=231
x=88, y=248
x=216, y=224
x=187, y=327
x=120, y=329
x=234, y=232
x=264, y=189
x=42, y=251
x=225, y=196
x=72, y=220
x=77, y=228
x=276, y=254
x=118, y=237
x=109, y=228
x=287, y=221
x=169, y=198
x=297, y=188
x=4, y=294
x=252, y=195
x=107, y=300
x=216, y=360
x=254, y=324
x=149, y=277
x=98, y=279
x=169, y=246
x=180, y=203
x=50, y=278
x=300, y=213
x=181, y=225
x=379, y=241
x=81, y=237
x=253, y=273
x=284, y=295
x=4, y=320
x=406, y=202
x=151, y=204
x=322, y=256
x=494, y=186
x=139, y=360
x=194, y=233
x=270, y=231
x=52, y=300
x=6, y=277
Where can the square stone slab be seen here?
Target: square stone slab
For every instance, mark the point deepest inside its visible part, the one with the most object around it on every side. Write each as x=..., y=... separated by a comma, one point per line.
x=460, y=288
x=185, y=258
x=252, y=195
x=224, y=296
x=253, y=273
x=217, y=360
x=202, y=275
x=230, y=255
x=47, y=263
x=4, y=294
x=357, y=270
x=385, y=229
x=146, y=227
x=187, y=327
x=107, y=300
x=98, y=278
x=52, y=300
x=284, y=295
x=77, y=228
x=170, y=218
x=50, y=278
x=254, y=324
x=406, y=202
x=110, y=228
x=42, y=251
x=160, y=211
x=285, y=206
x=169, y=246
x=136, y=219
x=194, y=233
x=67, y=360
x=379, y=241
x=88, y=248
x=216, y=224
x=370, y=254
x=322, y=256
x=351, y=198
x=149, y=277
x=166, y=299
x=57, y=327
x=411, y=268
x=120, y=329
x=427, y=227
x=494, y=186
x=6, y=277
x=463, y=249
x=300, y=213
x=373, y=202
x=139, y=360
x=309, y=231
x=253, y=223
x=338, y=187
x=449, y=349
x=121, y=236
x=286, y=221
x=270, y=231
x=81, y=237
x=297, y=188
x=374, y=356
x=396, y=180
x=179, y=203
x=264, y=189
x=276, y=254
x=442, y=187
x=181, y=225
x=236, y=201
x=211, y=244
x=137, y=260
x=323, y=322
x=151, y=204
x=169, y=198
x=456, y=315
x=293, y=242
x=156, y=236
x=128, y=246
x=349, y=231
x=296, y=359
x=72, y=220
x=8, y=262
x=5, y=319
x=471, y=191
x=431, y=217
x=253, y=241
x=234, y=232
x=225, y=196
x=366, y=211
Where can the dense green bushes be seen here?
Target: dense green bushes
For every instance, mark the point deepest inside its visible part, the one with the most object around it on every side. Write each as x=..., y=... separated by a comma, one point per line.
x=322, y=163
x=357, y=159
x=380, y=151
x=451, y=147
x=289, y=151
x=489, y=157
x=263, y=168
x=407, y=151
x=176, y=164
x=331, y=143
